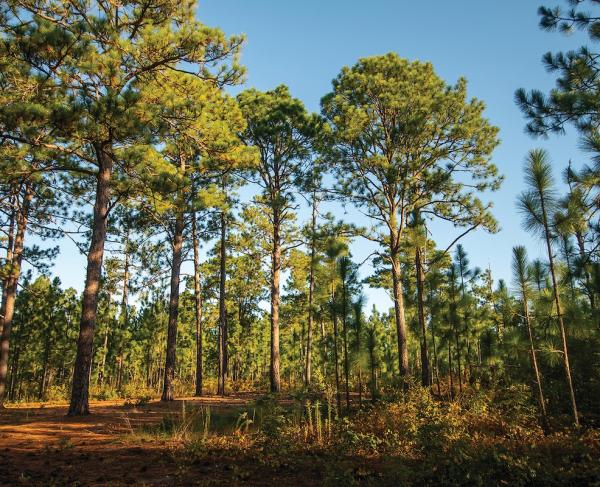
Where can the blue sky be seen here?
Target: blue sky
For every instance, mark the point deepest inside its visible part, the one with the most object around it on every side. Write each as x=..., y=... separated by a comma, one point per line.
x=496, y=45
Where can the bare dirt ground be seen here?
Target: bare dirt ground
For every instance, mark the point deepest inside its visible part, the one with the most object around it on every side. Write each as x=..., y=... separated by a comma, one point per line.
x=41, y=445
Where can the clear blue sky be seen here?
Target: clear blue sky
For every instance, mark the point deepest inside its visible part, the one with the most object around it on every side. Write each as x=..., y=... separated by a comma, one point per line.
x=496, y=45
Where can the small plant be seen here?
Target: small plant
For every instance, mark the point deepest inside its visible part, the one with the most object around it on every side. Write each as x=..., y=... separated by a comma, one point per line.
x=243, y=423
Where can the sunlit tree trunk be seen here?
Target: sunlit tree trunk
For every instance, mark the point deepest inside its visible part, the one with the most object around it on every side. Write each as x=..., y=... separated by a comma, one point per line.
x=335, y=348
x=12, y=284
x=275, y=301
x=311, y=290
x=171, y=353
x=425, y=374
x=222, y=338
x=345, y=342
x=198, y=308
x=534, y=364
x=79, y=404
x=559, y=313
x=10, y=239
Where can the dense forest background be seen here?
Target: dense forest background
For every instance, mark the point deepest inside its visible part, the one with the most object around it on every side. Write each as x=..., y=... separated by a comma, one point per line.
x=119, y=131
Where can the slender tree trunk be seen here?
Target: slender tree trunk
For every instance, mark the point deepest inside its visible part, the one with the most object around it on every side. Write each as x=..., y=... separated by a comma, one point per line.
x=198, y=308
x=9, y=259
x=335, y=348
x=124, y=318
x=44, y=378
x=534, y=364
x=436, y=367
x=372, y=367
x=456, y=338
x=588, y=279
x=12, y=284
x=21, y=338
x=561, y=323
x=436, y=364
x=450, y=368
x=275, y=299
x=311, y=291
x=425, y=374
x=345, y=342
x=324, y=346
x=83, y=362
x=399, y=315
x=171, y=354
x=104, y=354
x=222, y=345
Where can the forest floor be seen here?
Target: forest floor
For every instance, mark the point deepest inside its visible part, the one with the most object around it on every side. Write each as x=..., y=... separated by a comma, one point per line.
x=41, y=445
x=120, y=443
x=211, y=441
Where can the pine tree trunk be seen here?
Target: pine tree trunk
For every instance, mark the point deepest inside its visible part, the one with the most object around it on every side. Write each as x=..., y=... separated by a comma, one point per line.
x=399, y=310
x=311, y=291
x=345, y=343
x=198, y=309
x=456, y=338
x=222, y=338
x=372, y=367
x=561, y=323
x=588, y=279
x=275, y=300
x=425, y=374
x=103, y=358
x=8, y=262
x=124, y=318
x=44, y=378
x=324, y=347
x=335, y=348
x=450, y=368
x=83, y=362
x=534, y=364
x=171, y=355
x=12, y=284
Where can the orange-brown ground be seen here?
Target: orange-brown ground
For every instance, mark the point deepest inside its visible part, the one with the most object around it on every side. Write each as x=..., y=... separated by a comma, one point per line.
x=40, y=445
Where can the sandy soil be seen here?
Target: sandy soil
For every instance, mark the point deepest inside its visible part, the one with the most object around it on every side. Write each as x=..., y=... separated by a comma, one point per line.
x=40, y=445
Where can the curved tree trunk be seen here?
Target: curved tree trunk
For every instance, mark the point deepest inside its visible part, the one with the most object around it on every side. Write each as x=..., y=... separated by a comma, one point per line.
x=83, y=362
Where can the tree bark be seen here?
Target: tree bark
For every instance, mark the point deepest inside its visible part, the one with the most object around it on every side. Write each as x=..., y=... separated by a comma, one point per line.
x=534, y=364
x=335, y=348
x=425, y=374
x=83, y=362
x=222, y=338
x=588, y=278
x=12, y=284
x=171, y=355
x=275, y=300
x=311, y=291
x=399, y=315
x=198, y=309
x=9, y=258
x=561, y=323
x=345, y=342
